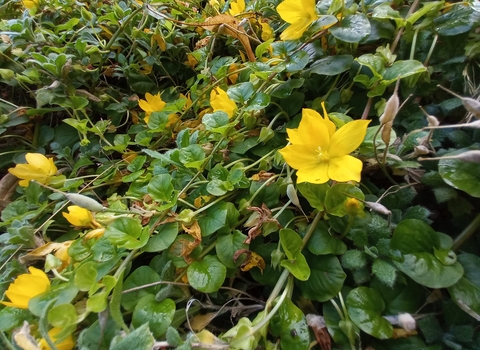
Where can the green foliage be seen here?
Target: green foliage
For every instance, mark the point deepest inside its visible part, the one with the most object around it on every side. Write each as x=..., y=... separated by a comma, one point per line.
x=164, y=121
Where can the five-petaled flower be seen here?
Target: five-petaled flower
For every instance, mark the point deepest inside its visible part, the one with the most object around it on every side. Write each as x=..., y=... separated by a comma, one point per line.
x=220, y=101
x=79, y=216
x=30, y=4
x=38, y=168
x=66, y=344
x=25, y=287
x=300, y=14
x=152, y=103
x=319, y=152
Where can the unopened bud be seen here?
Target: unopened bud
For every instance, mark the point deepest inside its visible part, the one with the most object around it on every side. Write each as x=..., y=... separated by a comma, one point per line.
x=379, y=208
x=432, y=121
x=405, y=320
x=391, y=108
x=469, y=156
x=470, y=104
x=420, y=151
x=84, y=201
x=386, y=131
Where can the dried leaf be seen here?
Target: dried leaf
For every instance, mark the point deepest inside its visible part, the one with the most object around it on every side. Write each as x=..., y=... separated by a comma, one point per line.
x=317, y=323
x=253, y=260
x=257, y=219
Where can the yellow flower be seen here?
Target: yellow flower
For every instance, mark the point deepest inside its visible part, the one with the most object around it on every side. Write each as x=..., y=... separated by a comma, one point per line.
x=25, y=287
x=220, y=101
x=237, y=7
x=153, y=103
x=300, y=14
x=66, y=344
x=30, y=4
x=39, y=168
x=320, y=153
x=78, y=216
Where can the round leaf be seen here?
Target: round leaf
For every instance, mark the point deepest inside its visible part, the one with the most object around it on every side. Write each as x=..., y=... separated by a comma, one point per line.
x=352, y=29
x=290, y=325
x=414, y=236
x=365, y=306
x=461, y=175
x=332, y=65
x=227, y=245
x=207, y=275
x=326, y=278
x=159, y=315
x=466, y=292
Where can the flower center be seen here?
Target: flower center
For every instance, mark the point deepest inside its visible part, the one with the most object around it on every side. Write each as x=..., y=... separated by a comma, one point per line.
x=322, y=155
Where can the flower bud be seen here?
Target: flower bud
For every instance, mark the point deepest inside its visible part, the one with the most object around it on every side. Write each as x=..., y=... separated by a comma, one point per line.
x=470, y=104
x=84, y=201
x=386, y=132
x=391, y=108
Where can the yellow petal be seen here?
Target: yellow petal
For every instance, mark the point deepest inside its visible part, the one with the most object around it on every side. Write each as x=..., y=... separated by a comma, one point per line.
x=66, y=344
x=25, y=287
x=317, y=174
x=78, y=216
x=299, y=156
x=295, y=30
x=345, y=168
x=237, y=7
x=220, y=101
x=348, y=138
x=313, y=130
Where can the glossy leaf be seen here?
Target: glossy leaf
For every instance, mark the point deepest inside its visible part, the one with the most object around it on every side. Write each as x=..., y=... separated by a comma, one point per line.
x=207, y=275
x=332, y=65
x=466, y=292
x=461, y=175
x=365, y=307
x=290, y=325
x=326, y=279
x=353, y=28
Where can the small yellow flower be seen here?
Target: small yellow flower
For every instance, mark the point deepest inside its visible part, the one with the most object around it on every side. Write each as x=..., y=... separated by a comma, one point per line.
x=39, y=168
x=30, y=4
x=319, y=152
x=300, y=14
x=220, y=101
x=66, y=344
x=152, y=103
x=237, y=7
x=97, y=233
x=79, y=216
x=25, y=287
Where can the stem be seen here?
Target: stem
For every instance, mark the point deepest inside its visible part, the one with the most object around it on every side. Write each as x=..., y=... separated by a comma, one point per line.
x=382, y=165
x=430, y=52
x=400, y=32
x=121, y=28
x=351, y=219
x=367, y=108
x=466, y=233
x=414, y=43
x=311, y=229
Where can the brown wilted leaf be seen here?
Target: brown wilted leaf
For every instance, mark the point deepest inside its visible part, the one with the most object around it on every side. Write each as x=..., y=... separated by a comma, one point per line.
x=317, y=323
x=184, y=247
x=257, y=219
x=253, y=260
x=230, y=26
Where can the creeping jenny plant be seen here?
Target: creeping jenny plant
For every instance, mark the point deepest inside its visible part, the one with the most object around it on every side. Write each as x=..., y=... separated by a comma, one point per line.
x=193, y=197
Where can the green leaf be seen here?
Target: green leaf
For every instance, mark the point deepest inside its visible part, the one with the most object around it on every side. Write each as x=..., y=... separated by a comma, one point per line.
x=141, y=276
x=322, y=242
x=459, y=174
x=353, y=28
x=326, y=278
x=314, y=193
x=12, y=317
x=331, y=65
x=86, y=277
x=159, y=315
x=241, y=92
x=417, y=242
x=297, y=61
x=365, y=306
x=460, y=19
x=213, y=121
x=220, y=215
x=466, y=292
x=192, y=156
x=163, y=238
x=127, y=233
x=291, y=242
x=258, y=101
x=227, y=245
x=427, y=270
x=140, y=339
x=160, y=188
x=414, y=236
x=290, y=325
x=337, y=195
x=403, y=69
x=298, y=267
x=62, y=316
x=207, y=275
